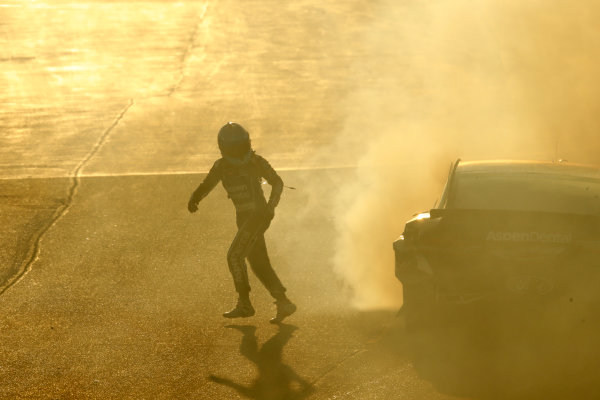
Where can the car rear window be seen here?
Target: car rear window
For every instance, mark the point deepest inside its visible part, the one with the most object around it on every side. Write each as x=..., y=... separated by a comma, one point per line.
x=526, y=192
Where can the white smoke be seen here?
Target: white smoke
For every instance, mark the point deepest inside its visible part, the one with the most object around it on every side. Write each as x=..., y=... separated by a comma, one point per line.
x=456, y=79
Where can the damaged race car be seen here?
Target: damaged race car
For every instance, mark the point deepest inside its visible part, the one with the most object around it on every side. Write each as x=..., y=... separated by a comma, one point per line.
x=506, y=239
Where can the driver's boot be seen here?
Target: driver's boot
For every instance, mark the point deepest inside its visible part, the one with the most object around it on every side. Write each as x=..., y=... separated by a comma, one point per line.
x=242, y=309
x=285, y=308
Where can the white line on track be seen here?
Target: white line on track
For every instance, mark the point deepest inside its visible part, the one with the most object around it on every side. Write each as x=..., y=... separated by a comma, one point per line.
x=177, y=172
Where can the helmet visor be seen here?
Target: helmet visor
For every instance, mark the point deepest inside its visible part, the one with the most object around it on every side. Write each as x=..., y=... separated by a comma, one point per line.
x=237, y=149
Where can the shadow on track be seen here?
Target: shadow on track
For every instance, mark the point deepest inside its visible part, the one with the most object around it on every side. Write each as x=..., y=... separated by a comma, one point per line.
x=276, y=380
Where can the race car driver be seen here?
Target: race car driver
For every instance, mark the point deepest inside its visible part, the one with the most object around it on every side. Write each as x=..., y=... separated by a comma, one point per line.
x=241, y=171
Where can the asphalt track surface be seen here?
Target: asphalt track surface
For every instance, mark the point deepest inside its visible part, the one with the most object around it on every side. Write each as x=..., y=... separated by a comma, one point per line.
x=128, y=305
x=110, y=289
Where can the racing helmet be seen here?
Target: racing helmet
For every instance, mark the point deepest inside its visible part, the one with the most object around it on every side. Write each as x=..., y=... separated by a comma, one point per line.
x=234, y=141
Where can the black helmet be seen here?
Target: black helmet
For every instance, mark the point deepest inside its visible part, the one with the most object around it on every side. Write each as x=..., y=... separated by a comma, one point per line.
x=234, y=142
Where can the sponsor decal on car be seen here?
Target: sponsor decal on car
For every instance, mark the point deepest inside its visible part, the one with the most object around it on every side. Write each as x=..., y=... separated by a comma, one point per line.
x=537, y=237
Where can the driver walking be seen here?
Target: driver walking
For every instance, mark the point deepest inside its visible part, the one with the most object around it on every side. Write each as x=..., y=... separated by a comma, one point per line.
x=241, y=171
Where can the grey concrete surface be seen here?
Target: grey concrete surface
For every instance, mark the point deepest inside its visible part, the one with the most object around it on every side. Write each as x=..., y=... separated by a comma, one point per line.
x=186, y=67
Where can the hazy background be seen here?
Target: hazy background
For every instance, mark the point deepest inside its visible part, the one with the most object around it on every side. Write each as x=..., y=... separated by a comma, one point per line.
x=397, y=89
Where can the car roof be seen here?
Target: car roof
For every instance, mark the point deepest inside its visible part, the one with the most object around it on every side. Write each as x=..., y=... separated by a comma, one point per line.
x=528, y=167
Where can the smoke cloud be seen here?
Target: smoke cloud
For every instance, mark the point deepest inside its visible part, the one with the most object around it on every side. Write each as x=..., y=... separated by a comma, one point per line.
x=448, y=79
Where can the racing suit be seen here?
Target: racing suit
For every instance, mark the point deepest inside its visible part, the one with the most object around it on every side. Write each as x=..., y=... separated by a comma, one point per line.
x=243, y=183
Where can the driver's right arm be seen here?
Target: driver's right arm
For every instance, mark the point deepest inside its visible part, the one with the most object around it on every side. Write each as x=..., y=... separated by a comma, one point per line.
x=210, y=181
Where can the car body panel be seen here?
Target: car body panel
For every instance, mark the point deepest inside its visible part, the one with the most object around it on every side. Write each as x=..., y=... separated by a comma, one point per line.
x=465, y=255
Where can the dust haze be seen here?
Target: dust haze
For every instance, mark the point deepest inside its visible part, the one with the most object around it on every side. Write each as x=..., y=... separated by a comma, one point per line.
x=475, y=80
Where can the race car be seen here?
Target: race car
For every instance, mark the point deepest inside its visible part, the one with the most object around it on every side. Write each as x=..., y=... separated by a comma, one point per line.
x=506, y=238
